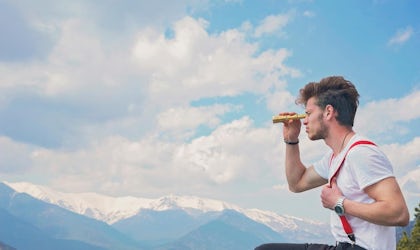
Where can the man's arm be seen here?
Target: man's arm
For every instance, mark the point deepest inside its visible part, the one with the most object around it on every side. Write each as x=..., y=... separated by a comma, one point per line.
x=298, y=176
x=388, y=209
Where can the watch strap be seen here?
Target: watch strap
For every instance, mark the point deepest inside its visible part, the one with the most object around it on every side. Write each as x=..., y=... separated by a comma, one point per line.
x=340, y=203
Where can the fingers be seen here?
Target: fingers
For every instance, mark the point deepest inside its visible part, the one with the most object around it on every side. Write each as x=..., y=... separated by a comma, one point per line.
x=325, y=194
x=287, y=113
x=330, y=194
x=334, y=183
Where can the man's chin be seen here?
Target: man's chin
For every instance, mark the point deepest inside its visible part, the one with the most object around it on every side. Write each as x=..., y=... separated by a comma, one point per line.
x=314, y=137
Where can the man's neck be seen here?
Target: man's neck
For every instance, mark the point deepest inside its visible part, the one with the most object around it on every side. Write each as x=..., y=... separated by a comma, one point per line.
x=337, y=141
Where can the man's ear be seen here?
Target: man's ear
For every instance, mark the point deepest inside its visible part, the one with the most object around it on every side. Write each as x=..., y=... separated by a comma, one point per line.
x=329, y=111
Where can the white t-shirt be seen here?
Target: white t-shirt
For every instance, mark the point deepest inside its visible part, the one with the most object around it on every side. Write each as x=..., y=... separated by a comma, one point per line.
x=364, y=165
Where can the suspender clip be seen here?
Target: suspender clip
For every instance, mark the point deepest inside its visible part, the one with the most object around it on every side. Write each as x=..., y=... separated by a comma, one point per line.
x=352, y=238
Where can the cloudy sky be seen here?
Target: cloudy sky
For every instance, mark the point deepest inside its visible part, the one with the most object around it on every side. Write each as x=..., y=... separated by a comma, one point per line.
x=150, y=98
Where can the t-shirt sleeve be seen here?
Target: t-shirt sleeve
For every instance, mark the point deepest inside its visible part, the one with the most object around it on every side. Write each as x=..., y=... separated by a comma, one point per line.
x=369, y=165
x=322, y=166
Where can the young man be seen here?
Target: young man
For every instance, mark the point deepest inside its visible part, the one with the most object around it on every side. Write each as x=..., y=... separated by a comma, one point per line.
x=358, y=183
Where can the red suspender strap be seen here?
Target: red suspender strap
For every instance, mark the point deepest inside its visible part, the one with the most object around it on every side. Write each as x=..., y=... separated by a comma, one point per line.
x=344, y=158
x=344, y=221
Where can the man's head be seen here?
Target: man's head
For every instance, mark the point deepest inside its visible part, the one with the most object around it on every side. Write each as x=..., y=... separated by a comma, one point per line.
x=336, y=91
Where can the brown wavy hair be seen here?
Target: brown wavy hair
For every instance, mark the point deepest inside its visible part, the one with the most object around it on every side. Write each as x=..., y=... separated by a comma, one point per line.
x=336, y=91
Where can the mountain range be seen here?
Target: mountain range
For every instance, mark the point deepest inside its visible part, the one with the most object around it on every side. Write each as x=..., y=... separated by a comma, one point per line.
x=37, y=217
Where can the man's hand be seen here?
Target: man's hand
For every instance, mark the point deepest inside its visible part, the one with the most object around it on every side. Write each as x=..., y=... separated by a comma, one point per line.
x=291, y=128
x=330, y=194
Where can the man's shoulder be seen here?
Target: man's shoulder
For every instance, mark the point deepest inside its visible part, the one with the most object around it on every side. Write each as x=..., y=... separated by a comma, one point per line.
x=362, y=145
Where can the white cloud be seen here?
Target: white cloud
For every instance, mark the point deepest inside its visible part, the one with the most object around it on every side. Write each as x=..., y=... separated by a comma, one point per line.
x=232, y=153
x=79, y=62
x=108, y=15
x=182, y=120
x=14, y=159
x=99, y=88
x=132, y=83
x=280, y=101
x=411, y=182
x=404, y=157
x=402, y=36
x=193, y=64
x=309, y=13
x=113, y=165
x=272, y=24
x=410, y=185
x=381, y=117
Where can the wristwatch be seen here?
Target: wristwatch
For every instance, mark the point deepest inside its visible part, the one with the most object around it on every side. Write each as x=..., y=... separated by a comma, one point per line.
x=339, y=208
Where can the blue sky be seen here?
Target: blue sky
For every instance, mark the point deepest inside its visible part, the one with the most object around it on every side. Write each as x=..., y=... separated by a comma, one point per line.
x=176, y=97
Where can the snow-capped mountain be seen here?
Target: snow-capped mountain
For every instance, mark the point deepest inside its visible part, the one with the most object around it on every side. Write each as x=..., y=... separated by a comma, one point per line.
x=100, y=207
x=113, y=209
x=37, y=217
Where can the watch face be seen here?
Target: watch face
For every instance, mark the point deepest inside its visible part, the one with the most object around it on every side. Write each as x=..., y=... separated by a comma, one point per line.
x=339, y=210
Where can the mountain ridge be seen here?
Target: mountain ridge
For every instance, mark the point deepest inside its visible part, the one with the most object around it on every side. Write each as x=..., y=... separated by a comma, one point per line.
x=29, y=223
x=113, y=209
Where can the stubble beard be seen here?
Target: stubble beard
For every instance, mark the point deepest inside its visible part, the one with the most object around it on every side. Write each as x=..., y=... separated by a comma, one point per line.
x=322, y=132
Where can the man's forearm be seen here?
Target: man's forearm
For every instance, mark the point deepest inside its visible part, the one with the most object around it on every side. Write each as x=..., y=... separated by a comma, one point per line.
x=294, y=167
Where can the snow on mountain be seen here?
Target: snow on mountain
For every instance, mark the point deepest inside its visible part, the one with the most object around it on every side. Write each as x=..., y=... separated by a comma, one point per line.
x=112, y=209
x=189, y=202
x=105, y=208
